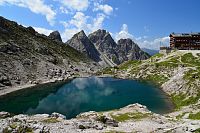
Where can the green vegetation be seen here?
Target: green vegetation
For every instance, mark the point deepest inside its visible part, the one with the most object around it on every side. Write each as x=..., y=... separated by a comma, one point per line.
x=183, y=100
x=190, y=59
x=171, y=62
x=192, y=75
x=181, y=115
x=106, y=70
x=50, y=120
x=197, y=130
x=129, y=116
x=158, y=79
x=158, y=55
x=21, y=129
x=128, y=64
x=195, y=116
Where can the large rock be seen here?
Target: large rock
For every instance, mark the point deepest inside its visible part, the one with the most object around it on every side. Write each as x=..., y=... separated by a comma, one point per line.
x=81, y=43
x=55, y=36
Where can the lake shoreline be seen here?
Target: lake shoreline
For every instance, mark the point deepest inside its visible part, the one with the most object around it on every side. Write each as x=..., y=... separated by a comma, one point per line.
x=54, y=81
x=9, y=90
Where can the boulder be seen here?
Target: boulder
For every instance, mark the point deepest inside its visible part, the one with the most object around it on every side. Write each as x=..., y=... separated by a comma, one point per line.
x=4, y=115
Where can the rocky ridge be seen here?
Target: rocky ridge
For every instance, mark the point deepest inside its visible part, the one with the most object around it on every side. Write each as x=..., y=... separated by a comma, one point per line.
x=101, y=47
x=28, y=58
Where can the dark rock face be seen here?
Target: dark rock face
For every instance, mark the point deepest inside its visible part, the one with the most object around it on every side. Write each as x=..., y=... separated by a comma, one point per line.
x=119, y=52
x=55, y=36
x=81, y=43
x=128, y=50
x=105, y=44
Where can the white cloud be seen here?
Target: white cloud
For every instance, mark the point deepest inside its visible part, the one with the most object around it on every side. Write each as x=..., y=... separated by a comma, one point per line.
x=43, y=30
x=154, y=44
x=64, y=10
x=105, y=8
x=79, y=22
x=77, y=5
x=123, y=34
x=36, y=6
x=144, y=41
x=97, y=22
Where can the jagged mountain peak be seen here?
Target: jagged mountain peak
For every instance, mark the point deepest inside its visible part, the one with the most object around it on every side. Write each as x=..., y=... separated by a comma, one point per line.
x=81, y=42
x=55, y=35
x=127, y=40
x=80, y=34
x=99, y=35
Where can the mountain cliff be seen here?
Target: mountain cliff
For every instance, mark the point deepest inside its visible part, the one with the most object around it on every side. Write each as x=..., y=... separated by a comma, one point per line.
x=128, y=50
x=81, y=43
x=105, y=45
x=27, y=57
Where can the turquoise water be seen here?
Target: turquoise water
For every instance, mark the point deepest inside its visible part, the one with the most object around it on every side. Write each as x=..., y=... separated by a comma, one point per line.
x=85, y=94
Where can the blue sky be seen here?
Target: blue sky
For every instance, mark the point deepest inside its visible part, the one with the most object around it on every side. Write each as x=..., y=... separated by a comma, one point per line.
x=148, y=22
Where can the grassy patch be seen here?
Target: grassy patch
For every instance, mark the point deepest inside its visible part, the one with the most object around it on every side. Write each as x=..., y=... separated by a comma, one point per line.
x=50, y=120
x=183, y=100
x=190, y=59
x=197, y=130
x=195, y=116
x=180, y=115
x=158, y=55
x=159, y=79
x=128, y=64
x=129, y=116
x=192, y=75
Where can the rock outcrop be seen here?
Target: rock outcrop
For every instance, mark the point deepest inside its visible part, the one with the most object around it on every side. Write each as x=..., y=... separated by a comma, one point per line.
x=81, y=43
x=55, y=36
x=132, y=118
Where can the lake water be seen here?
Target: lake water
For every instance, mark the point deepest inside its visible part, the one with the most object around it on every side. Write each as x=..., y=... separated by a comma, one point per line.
x=85, y=94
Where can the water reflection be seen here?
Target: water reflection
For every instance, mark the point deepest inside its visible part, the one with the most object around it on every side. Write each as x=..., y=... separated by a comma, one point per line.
x=86, y=94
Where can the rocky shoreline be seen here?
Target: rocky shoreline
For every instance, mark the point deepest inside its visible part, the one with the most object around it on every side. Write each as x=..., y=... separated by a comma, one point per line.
x=132, y=118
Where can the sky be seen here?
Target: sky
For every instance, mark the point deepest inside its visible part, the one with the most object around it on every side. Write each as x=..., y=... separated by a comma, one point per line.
x=147, y=22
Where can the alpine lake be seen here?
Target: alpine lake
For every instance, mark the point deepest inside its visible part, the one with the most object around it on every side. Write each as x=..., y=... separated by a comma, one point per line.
x=79, y=95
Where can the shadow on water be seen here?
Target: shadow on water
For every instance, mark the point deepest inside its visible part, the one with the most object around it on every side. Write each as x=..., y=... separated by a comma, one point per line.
x=85, y=94
x=21, y=100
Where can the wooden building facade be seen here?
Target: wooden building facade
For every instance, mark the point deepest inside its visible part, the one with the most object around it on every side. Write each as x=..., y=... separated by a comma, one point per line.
x=185, y=41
